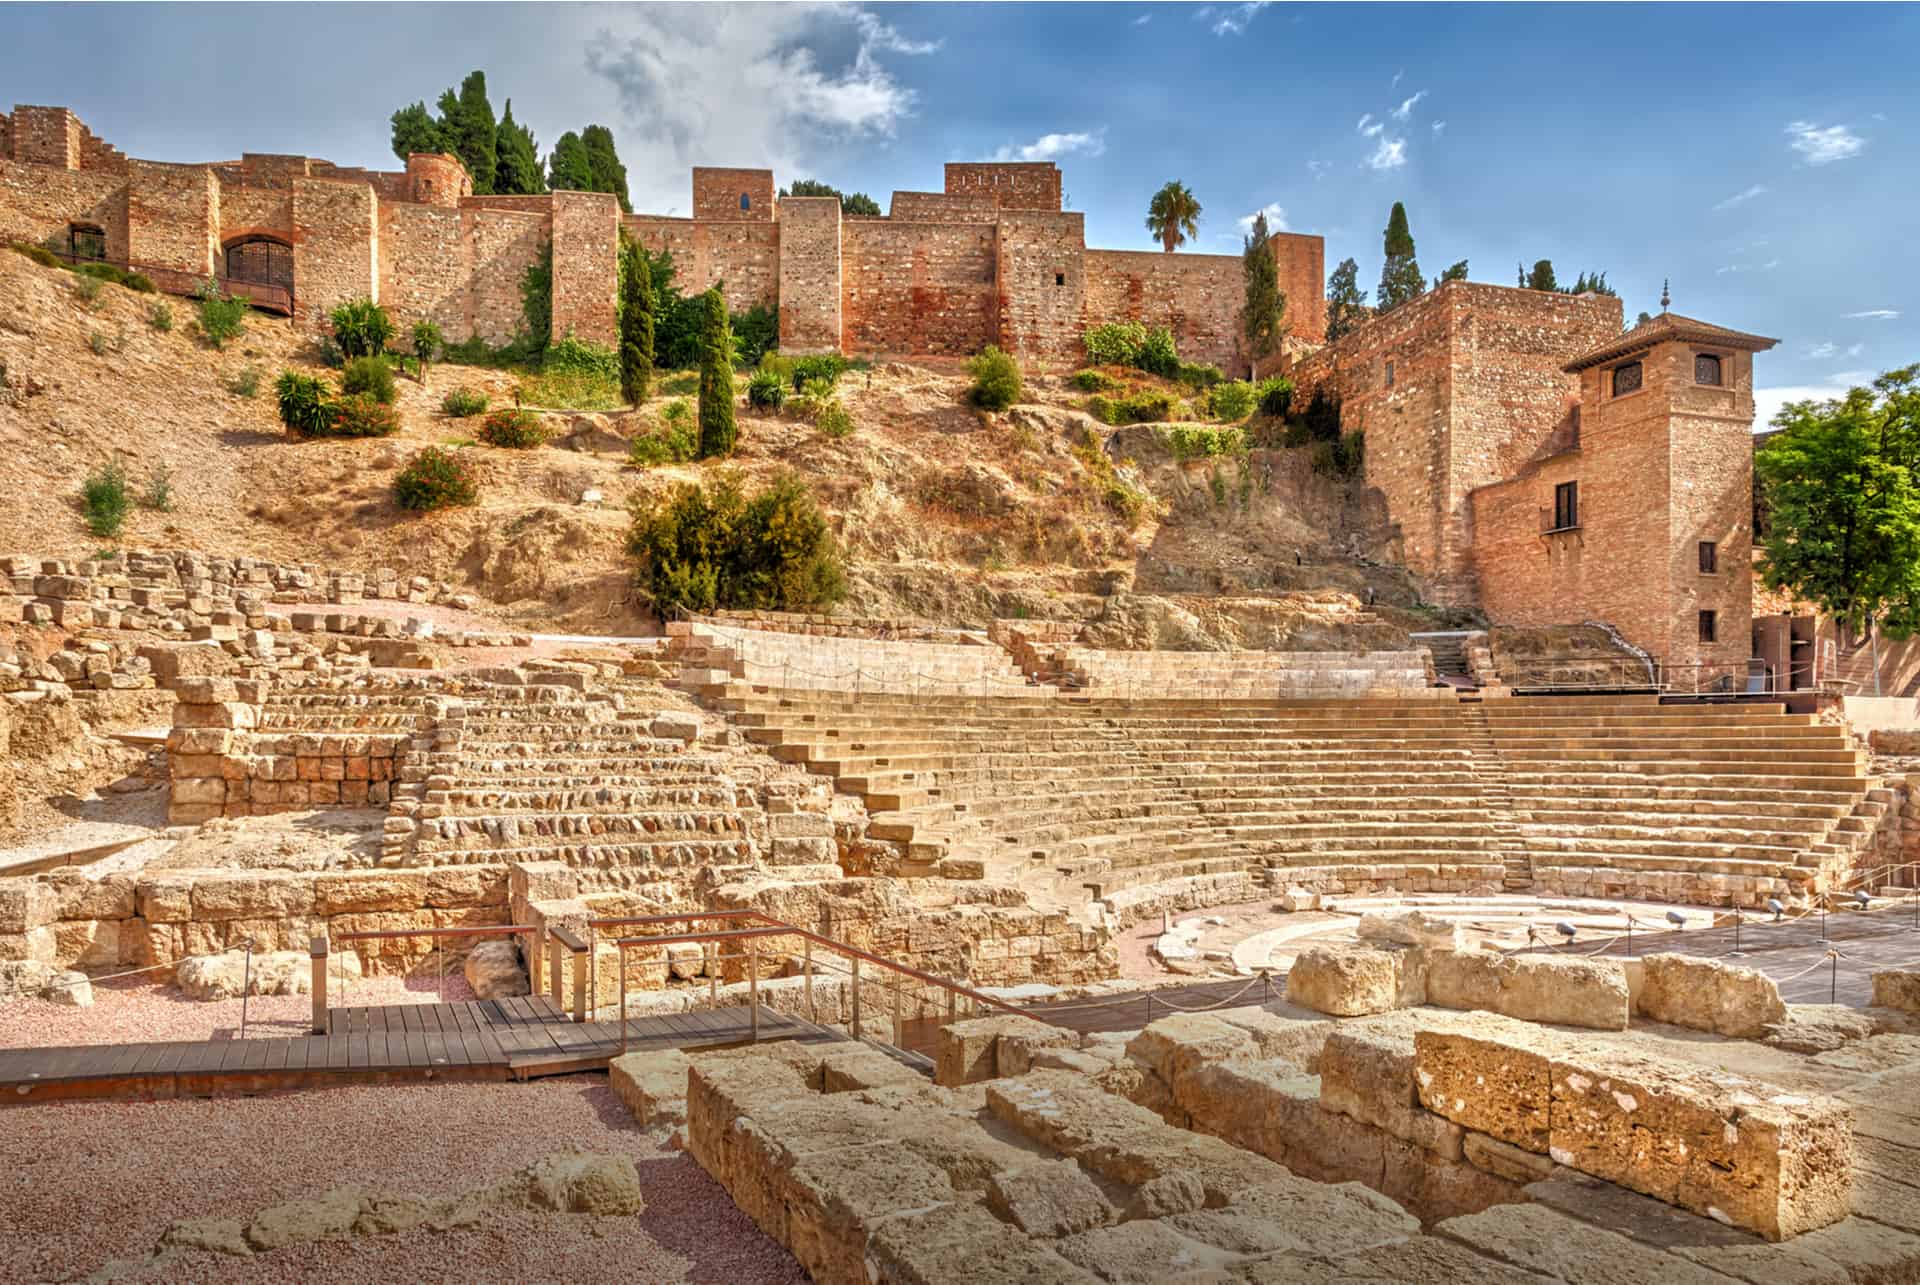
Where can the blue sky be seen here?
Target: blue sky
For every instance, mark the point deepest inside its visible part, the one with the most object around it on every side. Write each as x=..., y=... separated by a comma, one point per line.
x=1763, y=157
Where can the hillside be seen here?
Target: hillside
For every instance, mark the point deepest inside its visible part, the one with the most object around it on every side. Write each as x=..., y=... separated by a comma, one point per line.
x=945, y=512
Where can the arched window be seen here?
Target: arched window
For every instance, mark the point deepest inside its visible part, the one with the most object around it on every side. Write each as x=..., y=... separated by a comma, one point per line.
x=86, y=241
x=746, y=202
x=1706, y=369
x=260, y=259
x=1626, y=379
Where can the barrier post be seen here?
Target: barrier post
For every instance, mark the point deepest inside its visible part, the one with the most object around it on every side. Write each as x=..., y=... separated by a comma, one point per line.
x=317, y=948
x=806, y=964
x=623, y=999
x=554, y=971
x=580, y=961
x=753, y=986
x=246, y=985
x=897, y=1010
x=711, y=958
x=856, y=997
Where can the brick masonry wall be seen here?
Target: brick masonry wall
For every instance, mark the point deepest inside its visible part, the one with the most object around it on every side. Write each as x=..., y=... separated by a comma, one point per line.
x=246, y=210
x=435, y=178
x=1042, y=283
x=37, y=203
x=334, y=251
x=424, y=272
x=1031, y=185
x=1302, y=264
x=586, y=245
x=500, y=246
x=1712, y=486
x=1197, y=296
x=742, y=257
x=6, y=136
x=46, y=136
x=173, y=217
x=918, y=287
x=941, y=207
x=810, y=274
x=717, y=192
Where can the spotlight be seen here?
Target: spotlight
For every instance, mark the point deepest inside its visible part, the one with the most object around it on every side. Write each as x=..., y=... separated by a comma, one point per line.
x=1565, y=929
x=1779, y=911
x=1861, y=899
x=1677, y=919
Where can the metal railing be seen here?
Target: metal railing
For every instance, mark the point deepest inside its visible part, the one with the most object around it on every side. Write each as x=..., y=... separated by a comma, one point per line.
x=179, y=281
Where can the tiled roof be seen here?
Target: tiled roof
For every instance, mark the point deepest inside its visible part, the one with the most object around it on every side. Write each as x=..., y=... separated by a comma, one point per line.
x=1670, y=326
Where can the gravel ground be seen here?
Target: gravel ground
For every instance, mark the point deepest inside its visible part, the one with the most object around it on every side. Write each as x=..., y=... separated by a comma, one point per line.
x=89, y=1182
x=135, y=1011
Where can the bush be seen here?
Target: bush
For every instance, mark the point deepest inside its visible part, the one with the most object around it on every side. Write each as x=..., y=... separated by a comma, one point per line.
x=512, y=427
x=105, y=499
x=138, y=282
x=361, y=327
x=1157, y=355
x=463, y=403
x=222, y=318
x=1321, y=420
x=159, y=493
x=1201, y=441
x=1096, y=381
x=246, y=383
x=1276, y=396
x=1120, y=495
x=827, y=366
x=427, y=343
x=673, y=440
x=996, y=379
x=160, y=317
x=371, y=376
x=305, y=406
x=583, y=357
x=697, y=548
x=87, y=290
x=1341, y=456
x=1117, y=343
x=38, y=253
x=1199, y=376
x=363, y=415
x=435, y=478
x=767, y=390
x=756, y=332
x=576, y=375
x=718, y=431
x=831, y=418
x=1233, y=401
x=1142, y=406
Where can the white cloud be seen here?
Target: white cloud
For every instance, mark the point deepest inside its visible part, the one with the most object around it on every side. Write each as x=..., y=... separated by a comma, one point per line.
x=1143, y=20
x=1398, y=76
x=1405, y=109
x=1768, y=266
x=1318, y=168
x=1234, y=18
x=1439, y=126
x=1051, y=147
x=1276, y=218
x=1822, y=145
x=1821, y=351
x=1854, y=350
x=1875, y=314
x=1739, y=198
x=727, y=85
x=1391, y=154
x=1369, y=126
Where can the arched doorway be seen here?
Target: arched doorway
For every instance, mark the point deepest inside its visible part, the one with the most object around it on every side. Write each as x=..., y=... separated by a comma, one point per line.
x=86, y=242
x=262, y=260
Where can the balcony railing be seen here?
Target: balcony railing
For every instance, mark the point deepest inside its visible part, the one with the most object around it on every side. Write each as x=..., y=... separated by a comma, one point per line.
x=264, y=295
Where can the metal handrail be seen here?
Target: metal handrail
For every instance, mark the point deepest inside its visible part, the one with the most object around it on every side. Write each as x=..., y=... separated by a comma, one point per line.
x=181, y=281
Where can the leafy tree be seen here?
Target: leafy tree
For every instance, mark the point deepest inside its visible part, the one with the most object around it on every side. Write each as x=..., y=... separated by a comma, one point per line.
x=700, y=547
x=1643, y=318
x=1541, y=278
x=1263, y=315
x=1593, y=283
x=416, y=130
x=1456, y=272
x=1841, y=487
x=1346, y=301
x=717, y=428
x=604, y=170
x=636, y=322
x=1173, y=216
x=1400, y=277
x=568, y=167
x=468, y=127
x=809, y=187
x=516, y=159
x=858, y=203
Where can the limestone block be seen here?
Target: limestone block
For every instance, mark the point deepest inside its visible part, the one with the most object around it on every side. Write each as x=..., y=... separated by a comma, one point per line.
x=1409, y=928
x=853, y=1067
x=1563, y=1248
x=87, y=942
x=672, y=725
x=1709, y=995
x=1534, y=988
x=1897, y=988
x=357, y=892
x=580, y=1183
x=251, y=896
x=1294, y=900
x=968, y=1051
x=1739, y=1151
x=1296, y=1037
x=165, y=898
x=1490, y=1074
x=653, y=1085
x=1301, y=1218
x=964, y=1242
x=1049, y=1198
x=685, y=961
x=1366, y=1073
x=37, y=944
x=25, y=904
x=1505, y=1160
x=287, y=972
x=494, y=971
x=834, y=1197
x=1346, y=981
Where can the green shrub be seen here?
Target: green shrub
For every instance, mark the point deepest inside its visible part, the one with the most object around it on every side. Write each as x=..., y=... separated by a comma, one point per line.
x=756, y=332
x=87, y=290
x=104, y=497
x=100, y=344
x=512, y=427
x=576, y=375
x=767, y=390
x=1096, y=381
x=831, y=418
x=435, y=478
x=674, y=440
x=697, y=548
x=371, y=376
x=160, y=317
x=246, y=383
x=1117, y=343
x=828, y=366
x=361, y=327
x=1201, y=441
x=462, y=403
x=222, y=318
x=1157, y=355
x=718, y=430
x=135, y=281
x=159, y=493
x=305, y=406
x=1341, y=456
x=427, y=343
x=1276, y=396
x=475, y=351
x=580, y=355
x=38, y=253
x=1142, y=406
x=1198, y=375
x=996, y=379
x=1233, y=401
x=1127, y=501
x=363, y=415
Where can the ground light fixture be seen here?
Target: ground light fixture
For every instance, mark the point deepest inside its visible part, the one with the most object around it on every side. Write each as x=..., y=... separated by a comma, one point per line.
x=1566, y=930
x=1861, y=899
x=1677, y=919
x=1779, y=911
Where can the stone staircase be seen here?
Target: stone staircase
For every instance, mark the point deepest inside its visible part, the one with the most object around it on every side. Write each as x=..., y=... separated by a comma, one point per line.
x=714, y=656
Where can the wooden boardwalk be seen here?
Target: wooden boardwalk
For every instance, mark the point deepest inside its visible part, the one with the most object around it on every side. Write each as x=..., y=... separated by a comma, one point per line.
x=391, y=1044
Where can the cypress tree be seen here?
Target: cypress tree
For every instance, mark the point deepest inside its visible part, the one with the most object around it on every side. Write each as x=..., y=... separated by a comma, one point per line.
x=415, y=130
x=567, y=168
x=636, y=322
x=604, y=169
x=1265, y=309
x=517, y=160
x=466, y=122
x=1346, y=301
x=1541, y=278
x=717, y=429
x=1400, y=276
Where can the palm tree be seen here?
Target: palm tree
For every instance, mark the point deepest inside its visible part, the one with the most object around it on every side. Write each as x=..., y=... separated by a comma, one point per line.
x=1174, y=215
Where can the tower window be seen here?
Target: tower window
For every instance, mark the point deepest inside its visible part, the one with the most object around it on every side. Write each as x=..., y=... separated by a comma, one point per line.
x=1708, y=626
x=85, y=241
x=1709, y=557
x=1626, y=378
x=746, y=202
x=1059, y=278
x=1566, y=506
x=1706, y=369
x=1389, y=374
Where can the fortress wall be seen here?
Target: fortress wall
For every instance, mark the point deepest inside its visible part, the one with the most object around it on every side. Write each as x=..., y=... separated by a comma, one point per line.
x=501, y=246
x=335, y=254
x=942, y=207
x=424, y=268
x=810, y=274
x=255, y=209
x=586, y=244
x=1041, y=278
x=1012, y=185
x=742, y=256
x=918, y=287
x=37, y=203
x=717, y=192
x=1302, y=264
x=1197, y=296
x=173, y=216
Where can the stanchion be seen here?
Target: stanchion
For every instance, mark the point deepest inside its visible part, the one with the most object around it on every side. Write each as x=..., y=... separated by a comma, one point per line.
x=623, y=999
x=1833, y=977
x=753, y=987
x=1629, y=936
x=856, y=997
x=806, y=964
x=246, y=985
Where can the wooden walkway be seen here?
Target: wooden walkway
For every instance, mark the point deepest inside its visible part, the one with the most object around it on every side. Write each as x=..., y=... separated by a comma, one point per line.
x=391, y=1044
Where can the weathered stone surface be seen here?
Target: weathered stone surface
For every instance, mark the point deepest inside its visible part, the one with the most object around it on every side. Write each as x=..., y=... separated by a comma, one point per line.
x=70, y=988
x=1563, y=1248
x=1409, y=928
x=1142, y=1252
x=1345, y=981
x=1366, y=1072
x=281, y=972
x=1421, y=1260
x=653, y=1085
x=1049, y=1198
x=1533, y=988
x=494, y=971
x=1322, y=1219
x=327, y=1217
x=846, y=1069
x=969, y=1050
x=1709, y=995
x=1897, y=988
x=1490, y=1074
x=583, y=1183
x=1504, y=1160
x=963, y=1242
